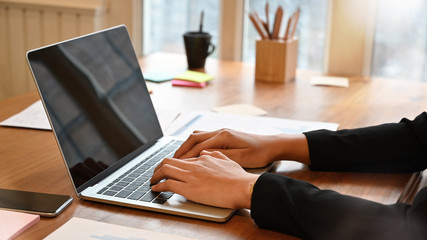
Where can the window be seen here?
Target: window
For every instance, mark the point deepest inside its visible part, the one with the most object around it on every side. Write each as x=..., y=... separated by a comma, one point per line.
x=168, y=20
x=400, y=46
x=310, y=32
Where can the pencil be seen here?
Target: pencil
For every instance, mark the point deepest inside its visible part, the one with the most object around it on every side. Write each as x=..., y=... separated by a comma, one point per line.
x=258, y=26
x=277, y=23
x=267, y=19
x=295, y=23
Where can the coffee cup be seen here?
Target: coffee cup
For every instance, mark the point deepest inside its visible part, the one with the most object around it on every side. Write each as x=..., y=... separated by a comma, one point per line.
x=198, y=47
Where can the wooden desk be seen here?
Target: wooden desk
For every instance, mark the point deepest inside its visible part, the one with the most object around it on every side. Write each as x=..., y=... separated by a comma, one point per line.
x=30, y=160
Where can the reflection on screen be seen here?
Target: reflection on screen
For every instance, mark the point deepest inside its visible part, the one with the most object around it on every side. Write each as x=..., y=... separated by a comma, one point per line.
x=97, y=100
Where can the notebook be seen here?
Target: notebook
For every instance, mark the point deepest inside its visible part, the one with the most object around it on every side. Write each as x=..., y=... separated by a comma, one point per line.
x=107, y=130
x=14, y=223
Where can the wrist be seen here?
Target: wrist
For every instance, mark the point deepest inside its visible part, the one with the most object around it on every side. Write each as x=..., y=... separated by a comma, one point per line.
x=291, y=147
x=247, y=191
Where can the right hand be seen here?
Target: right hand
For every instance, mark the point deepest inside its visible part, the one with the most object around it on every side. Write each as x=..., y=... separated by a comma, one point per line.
x=248, y=150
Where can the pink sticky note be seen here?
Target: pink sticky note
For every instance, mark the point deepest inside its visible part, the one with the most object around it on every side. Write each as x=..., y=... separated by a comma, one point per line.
x=183, y=83
x=14, y=223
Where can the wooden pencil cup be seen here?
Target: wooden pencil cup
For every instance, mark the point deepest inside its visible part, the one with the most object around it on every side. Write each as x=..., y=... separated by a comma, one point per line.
x=276, y=60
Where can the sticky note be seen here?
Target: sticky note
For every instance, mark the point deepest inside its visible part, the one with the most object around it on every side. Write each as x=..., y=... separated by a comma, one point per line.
x=183, y=83
x=194, y=76
x=158, y=76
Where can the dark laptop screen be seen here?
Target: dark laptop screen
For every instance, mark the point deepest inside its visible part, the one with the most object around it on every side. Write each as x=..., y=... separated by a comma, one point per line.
x=97, y=100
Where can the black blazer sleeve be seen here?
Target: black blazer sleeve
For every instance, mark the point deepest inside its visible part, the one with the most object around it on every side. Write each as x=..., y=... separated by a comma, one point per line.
x=393, y=147
x=301, y=209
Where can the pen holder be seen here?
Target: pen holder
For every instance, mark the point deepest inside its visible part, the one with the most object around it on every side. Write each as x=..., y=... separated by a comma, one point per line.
x=276, y=60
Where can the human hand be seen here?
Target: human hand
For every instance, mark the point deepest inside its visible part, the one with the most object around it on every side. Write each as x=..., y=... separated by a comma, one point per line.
x=211, y=179
x=248, y=150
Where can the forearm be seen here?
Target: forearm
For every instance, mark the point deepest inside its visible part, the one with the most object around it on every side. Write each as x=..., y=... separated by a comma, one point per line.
x=301, y=209
x=393, y=147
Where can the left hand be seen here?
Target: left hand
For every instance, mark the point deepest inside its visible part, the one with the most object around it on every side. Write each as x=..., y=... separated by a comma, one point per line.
x=211, y=179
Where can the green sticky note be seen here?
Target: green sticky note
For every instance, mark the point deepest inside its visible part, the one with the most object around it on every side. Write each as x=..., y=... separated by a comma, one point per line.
x=158, y=76
x=194, y=76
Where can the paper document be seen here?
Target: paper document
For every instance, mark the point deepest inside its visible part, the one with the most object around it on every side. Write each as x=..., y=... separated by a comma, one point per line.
x=330, y=81
x=85, y=229
x=33, y=116
x=241, y=109
x=209, y=121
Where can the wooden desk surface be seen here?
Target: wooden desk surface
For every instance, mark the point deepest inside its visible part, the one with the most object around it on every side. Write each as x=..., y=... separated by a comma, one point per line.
x=30, y=160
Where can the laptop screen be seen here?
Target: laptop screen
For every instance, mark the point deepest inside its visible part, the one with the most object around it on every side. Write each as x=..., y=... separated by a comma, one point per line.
x=97, y=101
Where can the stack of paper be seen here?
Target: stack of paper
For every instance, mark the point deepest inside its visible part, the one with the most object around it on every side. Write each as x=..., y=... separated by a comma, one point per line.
x=192, y=79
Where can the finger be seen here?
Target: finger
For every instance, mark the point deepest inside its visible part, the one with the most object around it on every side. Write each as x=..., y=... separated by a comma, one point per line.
x=169, y=172
x=195, y=138
x=230, y=154
x=216, y=154
x=170, y=185
x=217, y=142
x=175, y=162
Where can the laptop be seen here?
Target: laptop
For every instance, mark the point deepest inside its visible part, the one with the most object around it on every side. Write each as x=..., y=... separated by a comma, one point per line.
x=105, y=124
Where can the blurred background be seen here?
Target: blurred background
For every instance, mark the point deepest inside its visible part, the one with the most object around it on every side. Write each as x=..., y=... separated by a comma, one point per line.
x=370, y=38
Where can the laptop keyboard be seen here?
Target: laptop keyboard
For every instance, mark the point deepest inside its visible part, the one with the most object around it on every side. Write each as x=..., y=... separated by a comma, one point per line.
x=134, y=184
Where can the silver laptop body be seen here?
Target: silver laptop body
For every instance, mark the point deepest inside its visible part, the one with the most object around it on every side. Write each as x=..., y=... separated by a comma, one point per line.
x=105, y=124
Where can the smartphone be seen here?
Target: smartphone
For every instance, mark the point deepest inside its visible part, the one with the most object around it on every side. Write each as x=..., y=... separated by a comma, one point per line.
x=43, y=204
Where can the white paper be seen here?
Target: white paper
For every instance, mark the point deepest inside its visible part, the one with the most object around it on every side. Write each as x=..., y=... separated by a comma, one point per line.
x=33, y=116
x=209, y=121
x=330, y=81
x=85, y=229
x=240, y=109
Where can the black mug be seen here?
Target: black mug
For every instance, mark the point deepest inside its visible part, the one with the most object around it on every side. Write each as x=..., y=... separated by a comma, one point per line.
x=197, y=46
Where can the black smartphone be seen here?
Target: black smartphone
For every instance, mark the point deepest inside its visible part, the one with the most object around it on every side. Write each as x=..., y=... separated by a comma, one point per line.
x=43, y=204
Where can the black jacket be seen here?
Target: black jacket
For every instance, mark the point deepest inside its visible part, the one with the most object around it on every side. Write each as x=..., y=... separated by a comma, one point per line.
x=298, y=208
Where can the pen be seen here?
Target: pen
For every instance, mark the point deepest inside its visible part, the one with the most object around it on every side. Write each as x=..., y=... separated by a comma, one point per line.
x=277, y=22
x=267, y=20
x=295, y=22
x=287, y=28
x=258, y=26
x=201, y=21
x=260, y=21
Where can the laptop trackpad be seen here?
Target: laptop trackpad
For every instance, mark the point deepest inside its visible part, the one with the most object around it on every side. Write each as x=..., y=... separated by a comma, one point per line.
x=211, y=213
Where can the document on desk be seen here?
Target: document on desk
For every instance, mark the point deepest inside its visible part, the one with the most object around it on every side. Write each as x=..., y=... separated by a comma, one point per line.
x=209, y=121
x=33, y=116
x=85, y=229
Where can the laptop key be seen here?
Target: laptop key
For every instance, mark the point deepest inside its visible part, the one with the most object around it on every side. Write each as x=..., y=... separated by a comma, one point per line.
x=123, y=193
x=109, y=193
x=149, y=196
x=160, y=200
x=136, y=195
x=122, y=184
x=131, y=188
x=102, y=190
x=165, y=195
x=116, y=188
